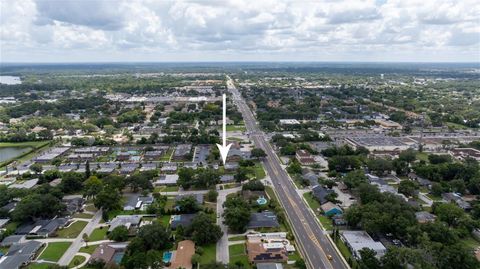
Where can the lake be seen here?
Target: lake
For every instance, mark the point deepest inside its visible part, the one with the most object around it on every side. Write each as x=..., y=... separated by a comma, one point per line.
x=12, y=152
x=10, y=80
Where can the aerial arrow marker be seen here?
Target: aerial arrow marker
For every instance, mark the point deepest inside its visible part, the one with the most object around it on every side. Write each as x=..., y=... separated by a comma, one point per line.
x=224, y=148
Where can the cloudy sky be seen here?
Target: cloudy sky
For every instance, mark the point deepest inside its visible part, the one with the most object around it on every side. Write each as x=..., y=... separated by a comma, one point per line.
x=239, y=30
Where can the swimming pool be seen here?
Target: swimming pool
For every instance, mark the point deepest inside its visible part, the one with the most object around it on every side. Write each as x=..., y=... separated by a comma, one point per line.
x=262, y=200
x=117, y=257
x=167, y=256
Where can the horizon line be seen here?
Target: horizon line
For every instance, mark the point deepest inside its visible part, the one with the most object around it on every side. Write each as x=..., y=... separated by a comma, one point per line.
x=233, y=61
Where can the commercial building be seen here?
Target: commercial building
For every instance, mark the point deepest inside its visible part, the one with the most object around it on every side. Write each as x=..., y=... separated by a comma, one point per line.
x=357, y=240
x=304, y=157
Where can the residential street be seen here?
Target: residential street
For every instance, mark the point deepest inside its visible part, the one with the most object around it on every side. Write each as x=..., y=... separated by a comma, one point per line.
x=310, y=237
x=78, y=242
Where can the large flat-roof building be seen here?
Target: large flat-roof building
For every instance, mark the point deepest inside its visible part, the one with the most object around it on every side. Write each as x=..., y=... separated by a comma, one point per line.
x=380, y=143
x=357, y=240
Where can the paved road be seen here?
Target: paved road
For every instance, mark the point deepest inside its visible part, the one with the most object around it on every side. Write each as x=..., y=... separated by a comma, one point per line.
x=78, y=242
x=222, y=244
x=310, y=237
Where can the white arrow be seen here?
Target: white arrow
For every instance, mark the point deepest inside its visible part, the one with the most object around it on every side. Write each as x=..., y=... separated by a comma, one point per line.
x=224, y=148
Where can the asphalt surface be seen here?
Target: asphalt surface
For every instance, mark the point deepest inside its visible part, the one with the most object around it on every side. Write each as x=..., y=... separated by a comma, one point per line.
x=78, y=242
x=222, y=244
x=310, y=237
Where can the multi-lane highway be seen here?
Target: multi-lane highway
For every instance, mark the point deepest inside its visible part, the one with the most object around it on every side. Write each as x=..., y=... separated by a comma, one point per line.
x=310, y=237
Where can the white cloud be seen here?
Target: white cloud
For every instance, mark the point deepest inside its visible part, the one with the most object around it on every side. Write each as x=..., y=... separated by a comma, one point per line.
x=408, y=30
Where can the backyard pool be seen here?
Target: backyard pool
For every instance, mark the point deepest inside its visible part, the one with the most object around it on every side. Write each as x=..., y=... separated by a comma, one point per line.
x=117, y=257
x=262, y=200
x=167, y=257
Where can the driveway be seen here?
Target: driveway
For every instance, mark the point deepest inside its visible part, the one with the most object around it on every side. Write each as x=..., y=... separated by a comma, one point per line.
x=222, y=245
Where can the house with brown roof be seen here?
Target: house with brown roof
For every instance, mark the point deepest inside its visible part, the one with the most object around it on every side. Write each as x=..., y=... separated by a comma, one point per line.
x=304, y=157
x=106, y=252
x=182, y=258
x=260, y=252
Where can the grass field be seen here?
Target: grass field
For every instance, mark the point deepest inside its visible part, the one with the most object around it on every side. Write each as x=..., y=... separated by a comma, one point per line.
x=90, y=207
x=470, y=242
x=346, y=253
x=82, y=215
x=98, y=234
x=233, y=128
x=29, y=144
x=112, y=214
x=170, y=204
x=165, y=220
x=237, y=238
x=238, y=255
x=168, y=154
x=39, y=266
x=77, y=260
x=422, y=156
x=259, y=171
x=73, y=230
x=54, y=251
x=90, y=249
x=209, y=254
x=315, y=205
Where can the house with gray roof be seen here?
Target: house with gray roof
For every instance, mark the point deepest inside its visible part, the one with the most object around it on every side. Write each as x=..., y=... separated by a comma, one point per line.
x=20, y=255
x=320, y=193
x=265, y=219
x=129, y=221
x=137, y=202
x=181, y=220
x=28, y=184
x=12, y=239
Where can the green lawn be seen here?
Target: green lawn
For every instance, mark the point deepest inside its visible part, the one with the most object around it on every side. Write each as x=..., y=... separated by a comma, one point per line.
x=90, y=207
x=73, y=230
x=237, y=249
x=98, y=234
x=237, y=238
x=233, y=128
x=112, y=214
x=170, y=188
x=165, y=220
x=168, y=154
x=90, y=249
x=294, y=256
x=346, y=252
x=326, y=222
x=470, y=242
x=54, y=251
x=259, y=171
x=4, y=250
x=422, y=156
x=39, y=266
x=238, y=255
x=29, y=144
x=315, y=205
x=434, y=198
x=209, y=254
x=77, y=260
x=82, y=215
x=170, y=204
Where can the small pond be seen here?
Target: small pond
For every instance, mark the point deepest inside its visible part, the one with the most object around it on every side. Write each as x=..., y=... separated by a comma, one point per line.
x=12, y=152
